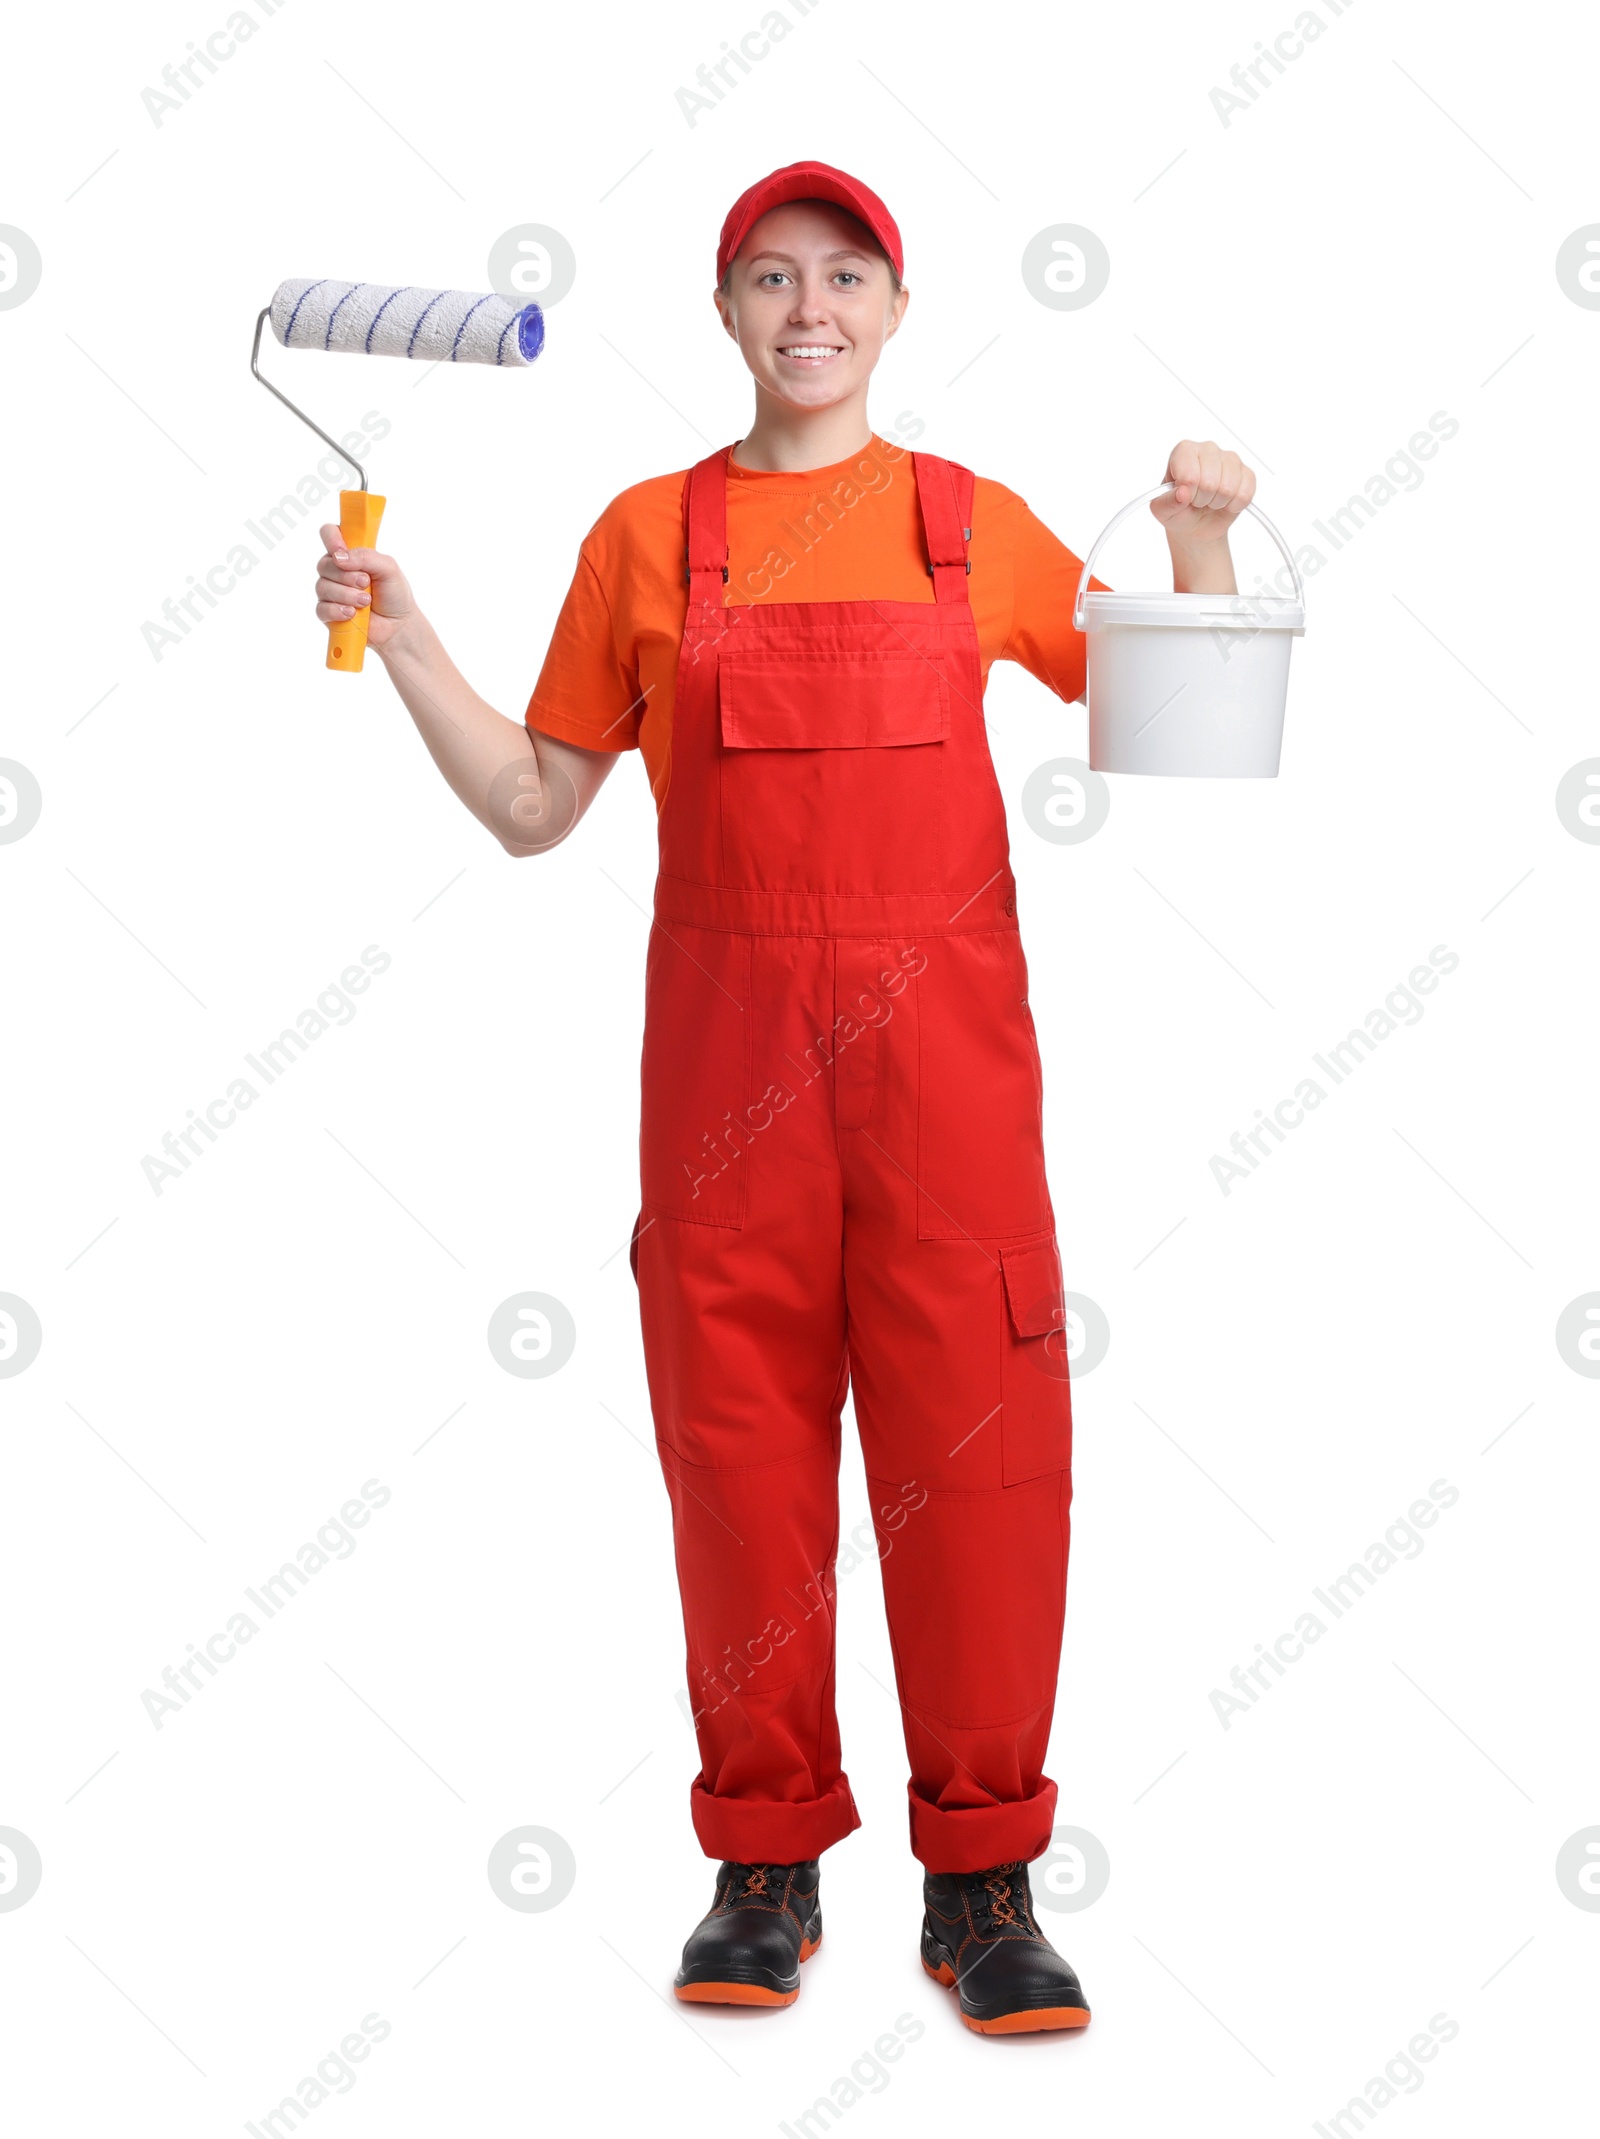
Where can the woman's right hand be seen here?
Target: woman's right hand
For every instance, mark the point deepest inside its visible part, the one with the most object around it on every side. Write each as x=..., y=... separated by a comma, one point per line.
x=348, y=580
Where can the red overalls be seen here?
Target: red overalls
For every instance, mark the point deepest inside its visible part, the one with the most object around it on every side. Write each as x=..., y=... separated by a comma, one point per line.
x=843, y=1185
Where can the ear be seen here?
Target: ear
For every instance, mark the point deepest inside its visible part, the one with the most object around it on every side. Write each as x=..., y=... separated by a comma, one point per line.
x=725, y=314
x=897, y=309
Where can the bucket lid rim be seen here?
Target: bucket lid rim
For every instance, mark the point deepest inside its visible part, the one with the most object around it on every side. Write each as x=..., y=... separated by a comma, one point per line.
x=1244, y=612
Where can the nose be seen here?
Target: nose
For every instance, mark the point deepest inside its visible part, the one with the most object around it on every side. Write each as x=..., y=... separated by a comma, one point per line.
x=810, y=305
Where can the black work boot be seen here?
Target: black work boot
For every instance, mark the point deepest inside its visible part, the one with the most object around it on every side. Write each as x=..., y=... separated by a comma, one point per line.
x=747, y=1948
x=979, y=1932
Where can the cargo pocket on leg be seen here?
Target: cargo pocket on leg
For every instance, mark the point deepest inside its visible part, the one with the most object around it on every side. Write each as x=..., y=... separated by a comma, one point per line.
x=1036, y=1422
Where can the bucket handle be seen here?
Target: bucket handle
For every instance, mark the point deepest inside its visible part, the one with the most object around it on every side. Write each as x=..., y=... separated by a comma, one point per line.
x=1146, y=498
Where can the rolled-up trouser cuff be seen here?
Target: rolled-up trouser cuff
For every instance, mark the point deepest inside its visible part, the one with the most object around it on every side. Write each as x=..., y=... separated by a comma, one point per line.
x=762, y=1831
x=971, y=1838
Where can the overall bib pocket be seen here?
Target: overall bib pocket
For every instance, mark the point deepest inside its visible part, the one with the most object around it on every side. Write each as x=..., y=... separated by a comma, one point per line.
x=812, y=741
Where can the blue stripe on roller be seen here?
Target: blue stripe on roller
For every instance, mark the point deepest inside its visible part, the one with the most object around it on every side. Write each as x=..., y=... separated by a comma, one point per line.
x=327, y=339
x=500, y=346
x=530, y=331
x=421, y=316
x=288, y=332
x=456, y=344
x=389, y=300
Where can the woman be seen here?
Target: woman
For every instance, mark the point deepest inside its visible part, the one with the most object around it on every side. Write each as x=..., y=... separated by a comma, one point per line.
x=842, y=1166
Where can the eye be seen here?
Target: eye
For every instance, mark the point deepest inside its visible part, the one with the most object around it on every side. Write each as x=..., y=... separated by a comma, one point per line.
x=847, y=274
x=772, y=276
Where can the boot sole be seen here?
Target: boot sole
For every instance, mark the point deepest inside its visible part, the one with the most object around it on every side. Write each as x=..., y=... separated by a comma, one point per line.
x=744, y=1993
x=1030, y=2020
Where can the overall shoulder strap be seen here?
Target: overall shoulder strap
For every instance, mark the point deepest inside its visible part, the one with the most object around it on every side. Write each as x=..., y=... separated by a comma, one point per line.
x=945, y=489
x=705, y=527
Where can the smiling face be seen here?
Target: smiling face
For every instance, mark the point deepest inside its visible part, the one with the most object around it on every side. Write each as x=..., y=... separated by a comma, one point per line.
x=811, y=300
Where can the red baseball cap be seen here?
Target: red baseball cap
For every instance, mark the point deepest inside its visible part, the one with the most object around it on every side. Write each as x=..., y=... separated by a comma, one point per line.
x=809, y=182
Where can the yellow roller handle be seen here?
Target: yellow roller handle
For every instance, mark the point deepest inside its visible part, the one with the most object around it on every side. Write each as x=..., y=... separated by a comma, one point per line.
x=360, y=512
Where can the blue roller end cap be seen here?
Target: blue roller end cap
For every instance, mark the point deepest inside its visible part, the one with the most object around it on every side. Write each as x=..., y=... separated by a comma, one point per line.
x=530, y=332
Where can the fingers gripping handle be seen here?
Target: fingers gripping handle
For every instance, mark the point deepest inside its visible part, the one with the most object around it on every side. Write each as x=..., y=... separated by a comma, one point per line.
x=360, y=512
x=1146, y=497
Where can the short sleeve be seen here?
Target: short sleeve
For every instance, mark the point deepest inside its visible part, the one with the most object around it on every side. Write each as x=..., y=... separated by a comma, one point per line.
x=1045, y=589
x=586, y=693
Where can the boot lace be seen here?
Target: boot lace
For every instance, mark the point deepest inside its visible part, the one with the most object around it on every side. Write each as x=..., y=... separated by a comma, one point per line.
x=1002, y=1897
x=755, y=1882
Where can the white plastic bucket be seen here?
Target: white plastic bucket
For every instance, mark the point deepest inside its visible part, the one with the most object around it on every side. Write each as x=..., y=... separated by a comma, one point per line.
x=1188, y=684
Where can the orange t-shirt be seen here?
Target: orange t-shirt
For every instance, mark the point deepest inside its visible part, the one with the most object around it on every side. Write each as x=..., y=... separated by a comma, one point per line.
x=852, y=532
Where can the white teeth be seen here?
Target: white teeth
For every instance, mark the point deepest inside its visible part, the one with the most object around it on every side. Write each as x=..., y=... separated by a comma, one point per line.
x=812, y=351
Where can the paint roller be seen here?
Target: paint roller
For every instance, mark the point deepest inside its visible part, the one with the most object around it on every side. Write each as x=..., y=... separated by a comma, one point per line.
x=375, y=319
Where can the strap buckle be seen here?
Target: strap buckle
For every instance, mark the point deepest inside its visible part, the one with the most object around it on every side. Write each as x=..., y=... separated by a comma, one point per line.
x=966, y=536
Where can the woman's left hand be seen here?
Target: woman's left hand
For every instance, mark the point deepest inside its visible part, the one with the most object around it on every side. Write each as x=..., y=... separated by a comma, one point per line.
x=1213, y=488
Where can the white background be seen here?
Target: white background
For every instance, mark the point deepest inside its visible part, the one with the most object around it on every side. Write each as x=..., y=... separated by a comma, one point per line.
x=1374, y=1842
